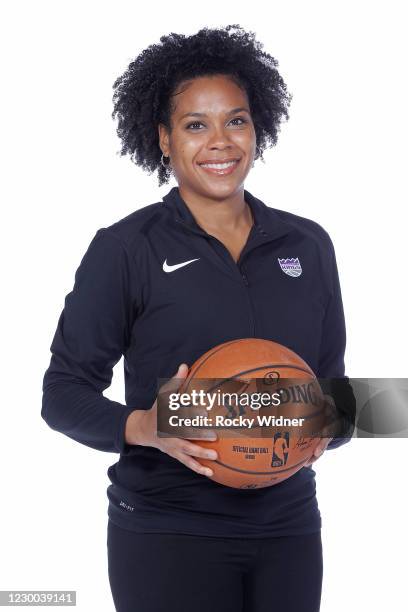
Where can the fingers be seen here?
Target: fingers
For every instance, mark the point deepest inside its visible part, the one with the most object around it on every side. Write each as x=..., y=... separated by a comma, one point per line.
x=203, y=434
x=182, y=449
x=172, y=385
x=174, y=382
x=185, y=451
x=318, y=452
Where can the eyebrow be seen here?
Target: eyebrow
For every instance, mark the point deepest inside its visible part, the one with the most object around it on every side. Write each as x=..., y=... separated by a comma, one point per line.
x=231, y=112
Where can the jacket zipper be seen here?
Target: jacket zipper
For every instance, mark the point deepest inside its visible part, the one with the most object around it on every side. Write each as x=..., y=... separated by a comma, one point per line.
x=250, y=305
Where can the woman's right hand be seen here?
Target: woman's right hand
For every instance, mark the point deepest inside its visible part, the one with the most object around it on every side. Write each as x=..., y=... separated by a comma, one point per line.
x=141, y=428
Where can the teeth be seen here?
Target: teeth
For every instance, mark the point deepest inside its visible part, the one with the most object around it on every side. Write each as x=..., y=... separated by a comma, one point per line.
x=219, y=166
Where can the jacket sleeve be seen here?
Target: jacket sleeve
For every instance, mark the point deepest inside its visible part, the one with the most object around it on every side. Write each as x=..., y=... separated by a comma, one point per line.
x=92, y=334
x=331, y=361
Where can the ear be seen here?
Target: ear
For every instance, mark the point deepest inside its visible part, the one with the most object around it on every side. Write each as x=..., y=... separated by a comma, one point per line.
x=163, y=139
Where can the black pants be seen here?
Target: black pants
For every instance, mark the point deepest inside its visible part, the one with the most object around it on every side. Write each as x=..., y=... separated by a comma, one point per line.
x=184, y=573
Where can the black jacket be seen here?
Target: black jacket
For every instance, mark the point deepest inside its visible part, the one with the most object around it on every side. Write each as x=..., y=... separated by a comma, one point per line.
x=131, y=298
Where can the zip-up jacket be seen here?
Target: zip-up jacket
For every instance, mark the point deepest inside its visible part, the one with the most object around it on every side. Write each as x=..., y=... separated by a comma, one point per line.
x=159, y=290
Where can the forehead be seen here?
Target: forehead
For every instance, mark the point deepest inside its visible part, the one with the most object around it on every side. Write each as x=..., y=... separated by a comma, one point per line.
x=216, y=93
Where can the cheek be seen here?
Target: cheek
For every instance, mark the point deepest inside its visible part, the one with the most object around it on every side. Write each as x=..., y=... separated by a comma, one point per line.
x=246, y=140
x=186, y=152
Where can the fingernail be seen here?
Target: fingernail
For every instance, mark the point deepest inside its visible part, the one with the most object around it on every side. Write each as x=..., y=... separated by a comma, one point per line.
x=209, y=435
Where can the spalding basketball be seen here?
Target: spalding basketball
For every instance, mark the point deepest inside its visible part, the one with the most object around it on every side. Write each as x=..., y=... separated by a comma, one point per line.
x=283, y=436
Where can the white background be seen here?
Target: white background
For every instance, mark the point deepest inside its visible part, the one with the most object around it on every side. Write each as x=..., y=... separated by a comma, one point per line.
x=340, y=160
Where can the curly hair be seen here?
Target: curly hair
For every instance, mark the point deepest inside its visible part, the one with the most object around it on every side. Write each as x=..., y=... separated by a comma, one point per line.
x=143, y=93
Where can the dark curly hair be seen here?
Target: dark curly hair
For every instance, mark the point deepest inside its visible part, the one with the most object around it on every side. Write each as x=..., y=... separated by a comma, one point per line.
x=143, y=94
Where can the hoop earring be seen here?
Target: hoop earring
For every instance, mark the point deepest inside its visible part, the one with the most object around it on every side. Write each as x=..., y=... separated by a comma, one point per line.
x=162, y=161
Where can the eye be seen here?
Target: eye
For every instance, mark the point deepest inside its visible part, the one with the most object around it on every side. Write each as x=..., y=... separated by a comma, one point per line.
x=239, y=119
x=196, y=123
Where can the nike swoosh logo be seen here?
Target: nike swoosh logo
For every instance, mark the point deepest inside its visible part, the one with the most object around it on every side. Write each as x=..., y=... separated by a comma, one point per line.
x=169, y=268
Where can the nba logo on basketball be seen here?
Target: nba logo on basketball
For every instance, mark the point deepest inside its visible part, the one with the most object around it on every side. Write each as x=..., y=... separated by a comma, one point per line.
x=280, y=449
x=291, y=266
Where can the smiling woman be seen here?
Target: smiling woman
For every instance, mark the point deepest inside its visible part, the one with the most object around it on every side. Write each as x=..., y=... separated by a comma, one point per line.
x=147, y=94
x=209, y=104
x=213, y=156
x=205, y=265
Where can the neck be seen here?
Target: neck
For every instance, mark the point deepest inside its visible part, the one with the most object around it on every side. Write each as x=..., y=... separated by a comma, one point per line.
x=225, y=214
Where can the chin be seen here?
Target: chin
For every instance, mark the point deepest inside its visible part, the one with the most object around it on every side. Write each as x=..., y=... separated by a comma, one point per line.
x=219, y=192
x=223, y=186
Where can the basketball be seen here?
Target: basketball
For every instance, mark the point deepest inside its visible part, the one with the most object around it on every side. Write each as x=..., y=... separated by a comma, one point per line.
x=271, y=450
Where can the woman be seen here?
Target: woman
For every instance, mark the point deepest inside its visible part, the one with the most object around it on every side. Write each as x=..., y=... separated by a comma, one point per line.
x=165, y=284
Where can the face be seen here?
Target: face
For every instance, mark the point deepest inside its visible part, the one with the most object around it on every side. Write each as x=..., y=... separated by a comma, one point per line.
x=210, y=123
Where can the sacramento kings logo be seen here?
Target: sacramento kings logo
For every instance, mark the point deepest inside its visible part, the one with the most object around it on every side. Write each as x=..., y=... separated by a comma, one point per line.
x=291, y=266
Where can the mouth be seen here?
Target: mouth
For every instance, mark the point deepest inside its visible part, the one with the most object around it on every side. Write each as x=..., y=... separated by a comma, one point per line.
x=219, y=168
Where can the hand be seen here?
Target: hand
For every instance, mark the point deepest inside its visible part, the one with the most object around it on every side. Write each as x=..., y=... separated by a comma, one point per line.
x=319, y=450
x=330, y=408
x=141, y=428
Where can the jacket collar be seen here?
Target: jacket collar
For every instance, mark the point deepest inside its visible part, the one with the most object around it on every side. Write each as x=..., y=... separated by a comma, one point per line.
x=267, y=222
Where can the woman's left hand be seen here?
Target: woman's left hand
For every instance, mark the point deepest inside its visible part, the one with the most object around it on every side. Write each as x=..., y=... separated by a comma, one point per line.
x=319, y=450
x=330, y=409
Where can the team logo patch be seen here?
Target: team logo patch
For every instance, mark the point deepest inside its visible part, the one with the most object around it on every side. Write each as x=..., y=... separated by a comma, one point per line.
x=291, y=266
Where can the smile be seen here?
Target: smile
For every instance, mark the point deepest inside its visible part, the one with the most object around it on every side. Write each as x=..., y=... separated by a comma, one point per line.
x=220, y=169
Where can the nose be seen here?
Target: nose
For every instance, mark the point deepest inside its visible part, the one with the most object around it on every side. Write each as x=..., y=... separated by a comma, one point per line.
x=218, y=138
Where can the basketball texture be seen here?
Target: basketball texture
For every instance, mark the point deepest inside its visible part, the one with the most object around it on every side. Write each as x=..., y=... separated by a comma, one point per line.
x=265, y=454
